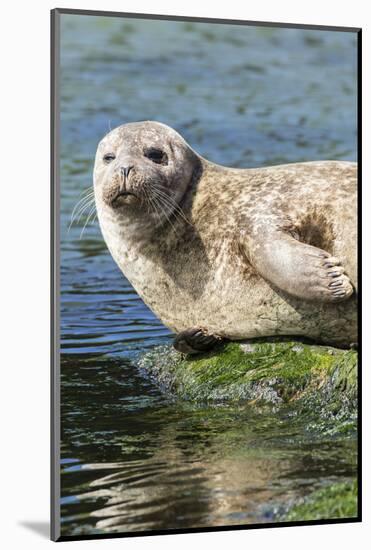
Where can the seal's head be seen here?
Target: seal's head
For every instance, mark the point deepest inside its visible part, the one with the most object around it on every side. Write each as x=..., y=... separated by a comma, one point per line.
x=143, y=169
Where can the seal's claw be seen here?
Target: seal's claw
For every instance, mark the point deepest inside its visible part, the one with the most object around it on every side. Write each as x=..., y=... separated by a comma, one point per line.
x=326, y=280
x=340, y=288
x=195, y=340
x=335, y=285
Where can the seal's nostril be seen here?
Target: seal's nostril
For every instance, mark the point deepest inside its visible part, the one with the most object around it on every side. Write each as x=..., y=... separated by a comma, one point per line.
x=125, y=170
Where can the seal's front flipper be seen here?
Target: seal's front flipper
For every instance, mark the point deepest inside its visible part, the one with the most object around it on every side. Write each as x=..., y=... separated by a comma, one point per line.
x=302, y=270
x=195, y=340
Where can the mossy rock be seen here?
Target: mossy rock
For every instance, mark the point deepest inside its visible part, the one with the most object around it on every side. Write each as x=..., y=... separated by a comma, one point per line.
x=339, y=500
x=319, y=377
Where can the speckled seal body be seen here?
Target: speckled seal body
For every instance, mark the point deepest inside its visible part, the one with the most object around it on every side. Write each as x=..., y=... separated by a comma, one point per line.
x=242, y=253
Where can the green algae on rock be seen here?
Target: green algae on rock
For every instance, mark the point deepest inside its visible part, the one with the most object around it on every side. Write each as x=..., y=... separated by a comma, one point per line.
x=264, y=372
x=339, y=500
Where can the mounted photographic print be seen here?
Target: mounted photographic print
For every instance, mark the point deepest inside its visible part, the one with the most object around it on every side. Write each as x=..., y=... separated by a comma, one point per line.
x=205, y=299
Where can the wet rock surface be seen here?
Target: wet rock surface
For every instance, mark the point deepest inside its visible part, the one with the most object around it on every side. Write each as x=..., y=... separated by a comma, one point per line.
x=321, y=379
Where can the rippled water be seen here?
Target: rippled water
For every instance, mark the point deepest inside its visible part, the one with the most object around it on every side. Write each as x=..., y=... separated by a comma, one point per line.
x=132, y=458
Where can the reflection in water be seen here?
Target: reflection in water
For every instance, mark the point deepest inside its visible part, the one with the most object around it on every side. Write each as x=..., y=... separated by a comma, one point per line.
x=146, y=462
x=133, y=458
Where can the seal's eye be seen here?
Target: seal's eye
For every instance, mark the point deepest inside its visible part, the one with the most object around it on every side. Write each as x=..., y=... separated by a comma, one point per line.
x=109, y=157
x=156, y=155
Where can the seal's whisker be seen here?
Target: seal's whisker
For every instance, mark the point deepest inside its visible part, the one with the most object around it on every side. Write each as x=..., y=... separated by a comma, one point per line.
x=88, y=191
x=84, y=206
x=161, y=206
x=80, y=203
x=79, y=210
x=78, y=215
x=170, y=199
x=148, y=193
x=144, y=198
x=154, y=207
x=162, y=209
x=166, y=207
x=148, y=199
x=172, y=207
x=152, y=204
x=92, y=211
x=172, y=202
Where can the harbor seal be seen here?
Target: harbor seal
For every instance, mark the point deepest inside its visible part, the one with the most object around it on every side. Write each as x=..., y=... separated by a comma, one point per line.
x=225, y=253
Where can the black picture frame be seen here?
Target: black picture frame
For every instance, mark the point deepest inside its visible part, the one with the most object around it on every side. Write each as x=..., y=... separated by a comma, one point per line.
x=55, y=266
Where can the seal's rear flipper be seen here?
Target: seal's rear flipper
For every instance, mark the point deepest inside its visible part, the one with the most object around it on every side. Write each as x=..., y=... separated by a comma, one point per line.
x=195, y=340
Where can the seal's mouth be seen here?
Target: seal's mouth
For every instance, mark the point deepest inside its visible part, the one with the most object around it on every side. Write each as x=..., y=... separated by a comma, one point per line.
x=123, y=197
